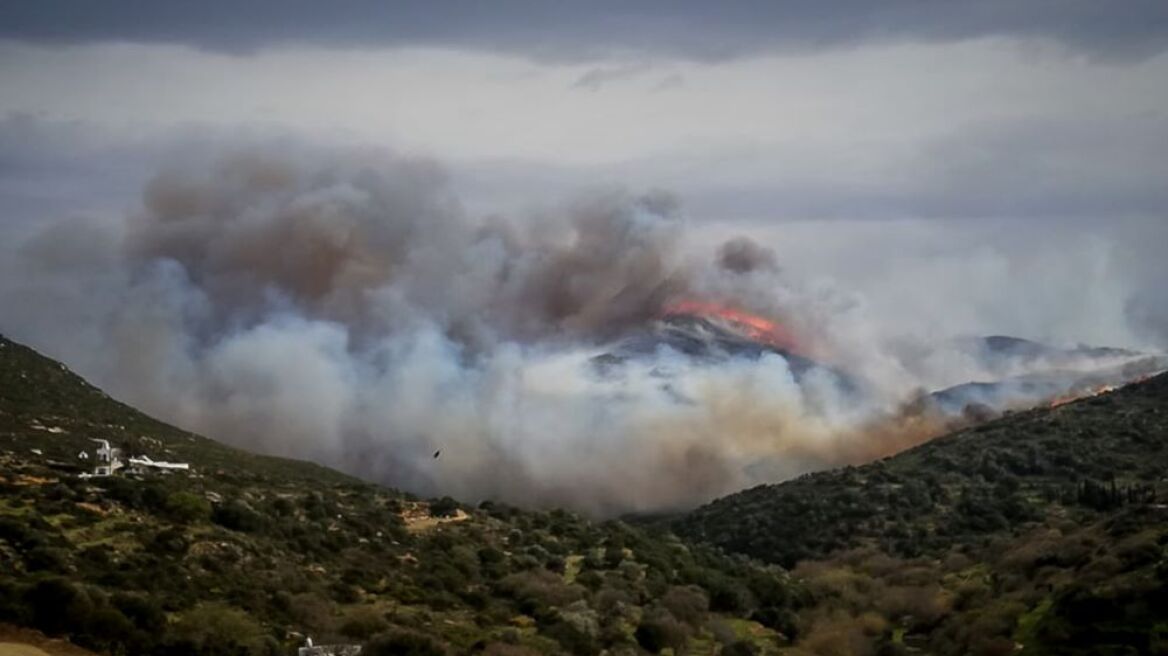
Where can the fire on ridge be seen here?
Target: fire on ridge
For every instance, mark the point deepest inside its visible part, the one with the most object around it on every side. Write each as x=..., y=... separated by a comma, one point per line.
x=750, y=326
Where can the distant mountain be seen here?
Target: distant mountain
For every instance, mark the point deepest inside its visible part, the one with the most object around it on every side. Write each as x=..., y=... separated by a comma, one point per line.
x=248, y=554
x=1017, y=349
x=1021, y=373
x=1051, y=385
x=1044, y=531
x=701, y=338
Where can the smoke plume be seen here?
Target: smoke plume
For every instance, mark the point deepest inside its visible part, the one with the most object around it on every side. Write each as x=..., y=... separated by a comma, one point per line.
x=342, y=306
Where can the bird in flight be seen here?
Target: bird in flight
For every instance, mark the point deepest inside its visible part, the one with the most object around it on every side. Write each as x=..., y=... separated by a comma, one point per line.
x=437, y=453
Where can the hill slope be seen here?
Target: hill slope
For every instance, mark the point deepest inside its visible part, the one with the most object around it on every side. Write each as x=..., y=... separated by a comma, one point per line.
x=246, y=554
x=1044, y=529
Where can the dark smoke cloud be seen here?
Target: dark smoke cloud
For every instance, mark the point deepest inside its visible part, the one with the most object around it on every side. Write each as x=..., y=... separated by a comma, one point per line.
x=577, y=30
x=743, y=255
x=341, y=305
x=331, y=238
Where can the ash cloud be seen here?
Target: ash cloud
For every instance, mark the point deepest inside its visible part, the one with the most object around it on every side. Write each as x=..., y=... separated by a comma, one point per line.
x=342, y=305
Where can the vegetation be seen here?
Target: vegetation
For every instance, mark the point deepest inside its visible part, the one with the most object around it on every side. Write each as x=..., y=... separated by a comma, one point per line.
x=247, y=554
x=1043, y=530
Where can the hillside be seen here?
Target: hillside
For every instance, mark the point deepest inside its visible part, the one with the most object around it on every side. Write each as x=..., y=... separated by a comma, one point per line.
x=1044, y=530
x=247, y=554
x=1039, y=533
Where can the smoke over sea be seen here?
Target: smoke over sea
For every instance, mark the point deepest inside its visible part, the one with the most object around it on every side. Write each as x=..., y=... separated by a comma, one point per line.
x=343, y=306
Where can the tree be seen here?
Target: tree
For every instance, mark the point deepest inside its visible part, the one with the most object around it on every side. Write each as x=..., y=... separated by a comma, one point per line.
x=220, y=629
x=659, y=630
x=688, y=604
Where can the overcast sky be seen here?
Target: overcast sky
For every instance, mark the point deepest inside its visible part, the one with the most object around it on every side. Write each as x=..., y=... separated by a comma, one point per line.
x=970, y=130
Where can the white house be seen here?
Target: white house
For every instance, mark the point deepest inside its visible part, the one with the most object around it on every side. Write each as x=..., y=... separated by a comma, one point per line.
x=108, y=458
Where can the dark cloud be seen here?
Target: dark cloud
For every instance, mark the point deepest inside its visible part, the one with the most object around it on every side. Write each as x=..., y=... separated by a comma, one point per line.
x=578, y=30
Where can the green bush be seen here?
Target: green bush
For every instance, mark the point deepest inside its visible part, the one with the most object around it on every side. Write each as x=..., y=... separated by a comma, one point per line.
x=187, y=508
x=237, y=516
x=215, y=628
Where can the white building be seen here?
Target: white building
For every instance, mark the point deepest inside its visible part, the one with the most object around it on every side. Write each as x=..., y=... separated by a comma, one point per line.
x=327, y=650
x=108, y=460
x=143, y=464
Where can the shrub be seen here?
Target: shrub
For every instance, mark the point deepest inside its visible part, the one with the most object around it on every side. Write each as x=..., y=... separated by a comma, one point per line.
x=401, y=642
x=143, y=611
x=444, y=507
x=740, y=648
x=49, y=559
x=187, y=508
x=237, y=516
x=18, y=534
x=219, y=629
x=56, y=606
x=572, y=638
x=659, y=631
x=282, y=507
x=169, y=541
x=344, y=593
x=310, y=612
x=106, y=629
x=362, y=623
x=538, y=588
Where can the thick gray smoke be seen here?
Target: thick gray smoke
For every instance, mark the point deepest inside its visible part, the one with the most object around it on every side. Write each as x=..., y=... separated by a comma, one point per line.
x=342, y=306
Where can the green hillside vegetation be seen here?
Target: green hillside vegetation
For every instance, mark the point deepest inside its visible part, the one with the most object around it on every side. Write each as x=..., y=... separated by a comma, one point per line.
x=247, y=554
x=1045, y=530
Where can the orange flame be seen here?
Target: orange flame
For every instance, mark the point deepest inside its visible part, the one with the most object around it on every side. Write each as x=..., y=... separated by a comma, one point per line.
x=751, y=326
x=1095, y=391
x=1073, y=396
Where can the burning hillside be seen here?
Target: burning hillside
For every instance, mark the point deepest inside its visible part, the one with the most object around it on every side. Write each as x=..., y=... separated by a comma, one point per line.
x=765, y=332
x=1025, y=374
